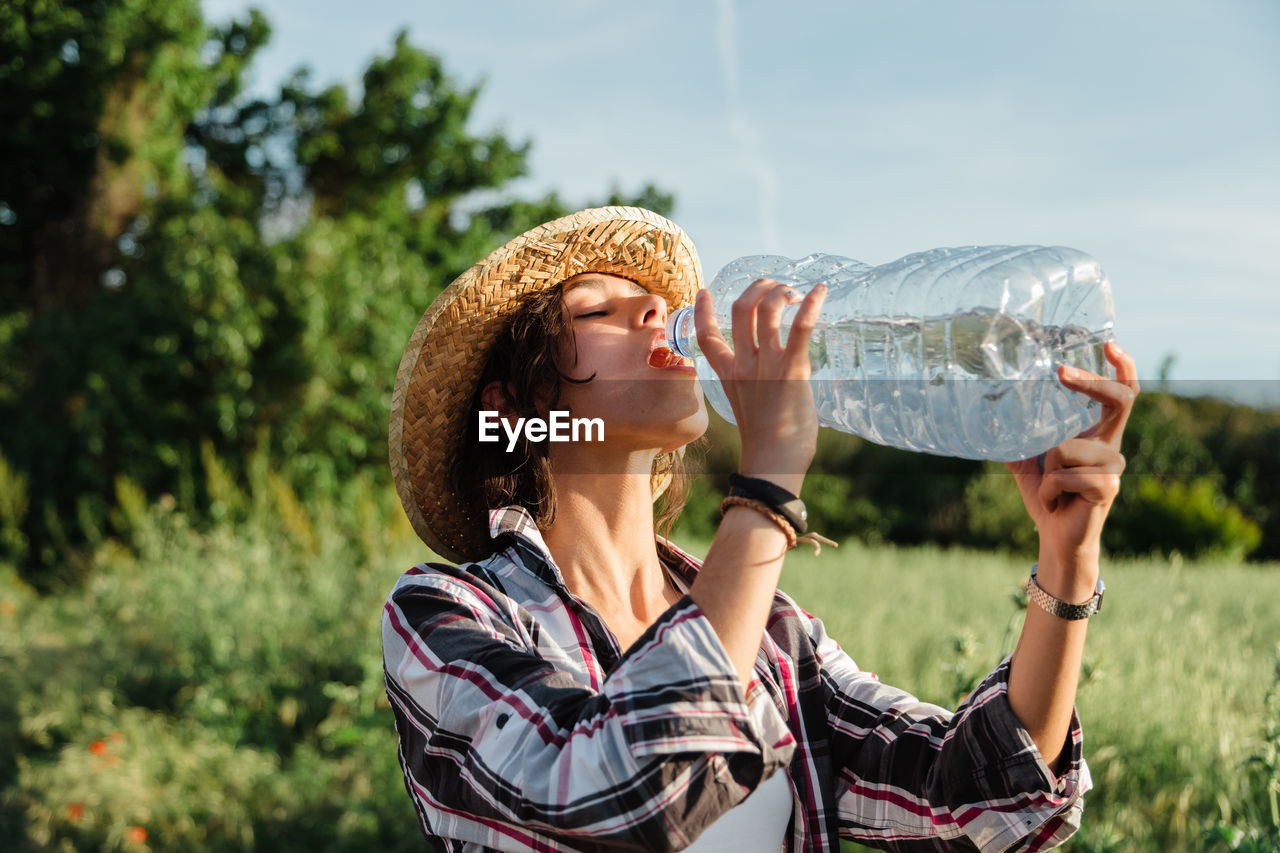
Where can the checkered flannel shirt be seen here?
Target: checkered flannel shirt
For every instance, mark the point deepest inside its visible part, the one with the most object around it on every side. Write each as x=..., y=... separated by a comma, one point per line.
x=523, y=726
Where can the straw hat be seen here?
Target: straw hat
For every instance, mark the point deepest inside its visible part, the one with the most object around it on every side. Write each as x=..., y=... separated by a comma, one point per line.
x=448, y=350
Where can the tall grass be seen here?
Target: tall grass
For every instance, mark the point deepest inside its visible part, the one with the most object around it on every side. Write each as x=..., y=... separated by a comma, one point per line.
x=1177, y=667
x=222, y=690
x=218, y=691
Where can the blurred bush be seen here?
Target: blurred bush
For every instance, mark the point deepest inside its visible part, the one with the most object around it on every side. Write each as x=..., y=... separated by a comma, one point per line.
x=1193, y=518
x=218, y=691
x=1202, y=478
x=997, y=518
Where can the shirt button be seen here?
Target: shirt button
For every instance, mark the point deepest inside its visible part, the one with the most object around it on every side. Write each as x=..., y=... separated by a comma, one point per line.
x=502, y=719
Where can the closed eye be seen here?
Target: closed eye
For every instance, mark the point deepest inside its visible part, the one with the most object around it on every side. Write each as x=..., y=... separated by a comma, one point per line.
x=591, y=314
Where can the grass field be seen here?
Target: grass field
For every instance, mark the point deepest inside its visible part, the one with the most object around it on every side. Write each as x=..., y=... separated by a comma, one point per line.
x=223, y=691
x=1176, y=669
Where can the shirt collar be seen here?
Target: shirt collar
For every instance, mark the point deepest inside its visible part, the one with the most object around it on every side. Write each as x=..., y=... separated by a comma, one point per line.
x=515, y=522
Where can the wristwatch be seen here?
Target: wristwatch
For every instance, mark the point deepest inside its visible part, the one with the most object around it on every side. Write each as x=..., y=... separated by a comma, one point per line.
x=1060, y=608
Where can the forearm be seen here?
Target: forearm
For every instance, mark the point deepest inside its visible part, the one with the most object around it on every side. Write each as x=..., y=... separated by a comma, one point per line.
x=736, y=583
x=1045, y=670
x=1068, y=492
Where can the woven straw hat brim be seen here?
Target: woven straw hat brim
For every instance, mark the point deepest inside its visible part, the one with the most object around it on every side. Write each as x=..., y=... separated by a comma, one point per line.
x=449, y=348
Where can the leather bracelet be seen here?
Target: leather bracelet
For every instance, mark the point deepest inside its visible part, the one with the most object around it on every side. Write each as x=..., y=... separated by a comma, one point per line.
x=783, y=524
x=1060, y=608
x=773, y=496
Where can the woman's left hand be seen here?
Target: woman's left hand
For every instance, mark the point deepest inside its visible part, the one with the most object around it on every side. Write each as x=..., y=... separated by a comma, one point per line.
x=1069, y=499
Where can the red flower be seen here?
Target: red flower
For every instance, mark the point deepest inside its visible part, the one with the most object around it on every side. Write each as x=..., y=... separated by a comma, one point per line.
x=138, y=834
x=98, y=747
x=75, y=811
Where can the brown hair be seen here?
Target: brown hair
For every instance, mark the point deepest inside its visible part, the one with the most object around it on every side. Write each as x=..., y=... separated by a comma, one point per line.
x=524, y=360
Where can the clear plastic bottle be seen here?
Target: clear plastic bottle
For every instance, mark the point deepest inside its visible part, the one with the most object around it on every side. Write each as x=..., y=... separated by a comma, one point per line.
x=949, y=351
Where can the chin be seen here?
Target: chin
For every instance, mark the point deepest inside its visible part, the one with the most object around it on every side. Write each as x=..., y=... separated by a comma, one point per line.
x=688, y=429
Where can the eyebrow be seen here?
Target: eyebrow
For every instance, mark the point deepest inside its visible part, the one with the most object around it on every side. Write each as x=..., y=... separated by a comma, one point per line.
x=599, y=283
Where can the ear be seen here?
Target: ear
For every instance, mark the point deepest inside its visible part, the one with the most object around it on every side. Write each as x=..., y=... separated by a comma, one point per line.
x=496, y=397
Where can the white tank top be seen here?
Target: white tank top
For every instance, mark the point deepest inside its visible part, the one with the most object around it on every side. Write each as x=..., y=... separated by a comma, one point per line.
x=758, y=824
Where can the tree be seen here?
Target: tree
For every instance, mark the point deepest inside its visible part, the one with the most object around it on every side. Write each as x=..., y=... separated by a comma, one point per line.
x=183, y=267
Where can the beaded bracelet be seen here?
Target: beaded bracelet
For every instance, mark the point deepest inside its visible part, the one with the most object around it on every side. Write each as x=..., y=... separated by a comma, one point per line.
x=817, y=540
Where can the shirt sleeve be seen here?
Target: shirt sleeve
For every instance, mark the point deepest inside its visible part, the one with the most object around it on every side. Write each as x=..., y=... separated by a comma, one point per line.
x=916, y=777
x=496, y=742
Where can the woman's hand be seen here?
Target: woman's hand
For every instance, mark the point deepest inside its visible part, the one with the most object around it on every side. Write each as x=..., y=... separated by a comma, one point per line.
x=1069, y=497
x=766, y=383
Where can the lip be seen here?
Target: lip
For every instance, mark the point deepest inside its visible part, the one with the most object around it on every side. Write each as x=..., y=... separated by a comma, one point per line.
x=659, y=342
x=678, y=368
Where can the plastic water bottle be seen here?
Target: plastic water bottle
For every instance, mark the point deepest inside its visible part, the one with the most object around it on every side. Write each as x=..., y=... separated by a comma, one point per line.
x=949, y=351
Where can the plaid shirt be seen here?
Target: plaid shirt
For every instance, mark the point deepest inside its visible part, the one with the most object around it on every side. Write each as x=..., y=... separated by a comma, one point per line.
x=523, y=725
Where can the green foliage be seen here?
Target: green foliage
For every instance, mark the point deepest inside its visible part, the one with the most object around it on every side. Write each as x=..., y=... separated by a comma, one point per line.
x=97, y=99
x=184, y=267
x=407, y=127
x=1189, y=440
x=1193, y=518
x=1194, y=485
x=358, y=291
x=194, y=348
x=701, y=514
x=833, y=505
x=14, y=504
x=855, y=488
x=996, y=515
x=221, y=691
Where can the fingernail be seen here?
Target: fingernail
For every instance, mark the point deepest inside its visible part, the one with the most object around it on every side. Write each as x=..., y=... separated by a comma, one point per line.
x=1069, y=372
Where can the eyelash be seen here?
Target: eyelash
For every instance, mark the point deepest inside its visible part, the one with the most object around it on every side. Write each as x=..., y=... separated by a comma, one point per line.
x=591, y=314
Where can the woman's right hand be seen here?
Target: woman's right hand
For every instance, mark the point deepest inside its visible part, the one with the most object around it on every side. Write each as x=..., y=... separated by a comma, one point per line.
x=766, y=382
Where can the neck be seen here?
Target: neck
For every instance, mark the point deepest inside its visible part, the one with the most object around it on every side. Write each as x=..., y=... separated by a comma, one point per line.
x=602, y=538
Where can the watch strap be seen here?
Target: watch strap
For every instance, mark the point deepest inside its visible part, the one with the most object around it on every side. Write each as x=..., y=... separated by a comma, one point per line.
x=1060, y=608
x=773, y=496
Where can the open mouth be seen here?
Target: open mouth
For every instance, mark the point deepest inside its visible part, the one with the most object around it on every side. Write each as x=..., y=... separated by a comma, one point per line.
x=663, y=358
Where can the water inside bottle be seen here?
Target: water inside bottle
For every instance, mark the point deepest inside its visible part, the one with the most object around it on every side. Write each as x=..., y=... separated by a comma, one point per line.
x=961, y=385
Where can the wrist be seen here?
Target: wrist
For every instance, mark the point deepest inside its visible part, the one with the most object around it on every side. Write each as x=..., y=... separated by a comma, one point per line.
x=1074, y=579
x=791, y=482
x=1069, y=610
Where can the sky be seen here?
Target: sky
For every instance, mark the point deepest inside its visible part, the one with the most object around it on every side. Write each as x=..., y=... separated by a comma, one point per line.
x=1146, y=134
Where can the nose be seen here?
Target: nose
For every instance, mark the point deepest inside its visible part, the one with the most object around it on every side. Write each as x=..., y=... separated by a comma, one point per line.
x=648, y=307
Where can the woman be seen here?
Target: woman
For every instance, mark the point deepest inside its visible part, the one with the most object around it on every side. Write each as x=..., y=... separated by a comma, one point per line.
x=576, y=682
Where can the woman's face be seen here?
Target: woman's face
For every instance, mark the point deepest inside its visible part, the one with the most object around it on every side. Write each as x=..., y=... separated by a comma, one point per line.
x=616, y=325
